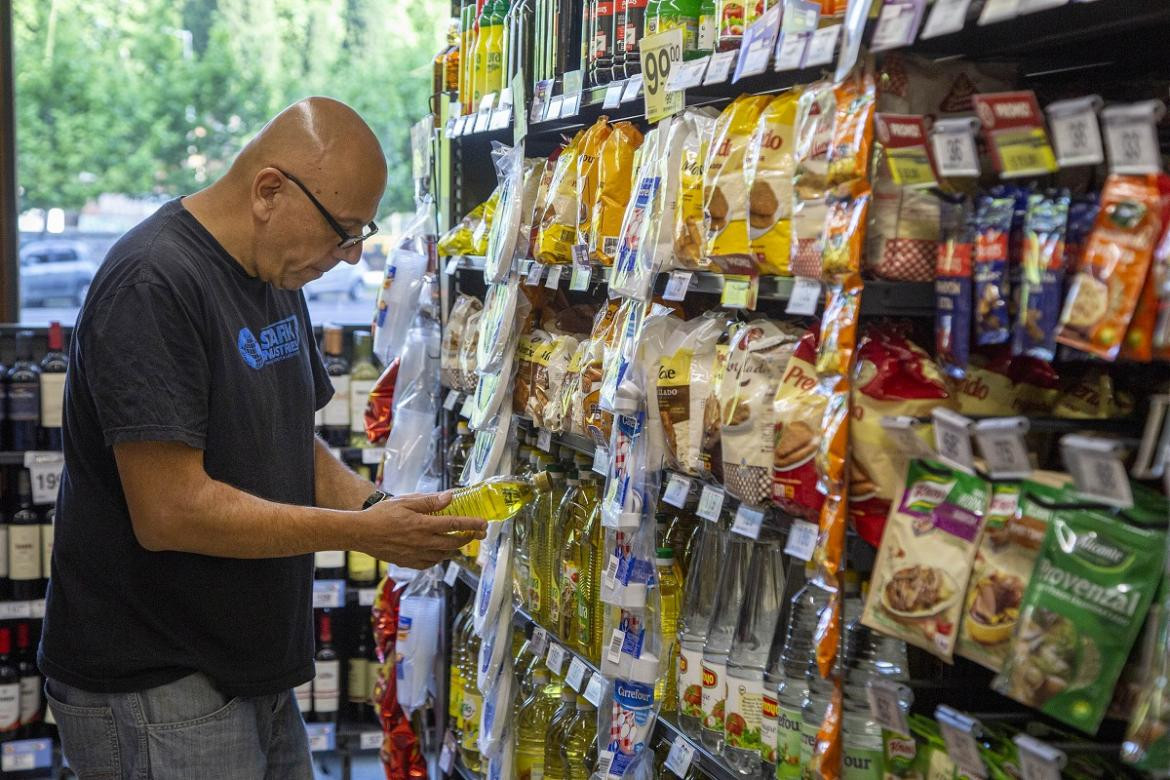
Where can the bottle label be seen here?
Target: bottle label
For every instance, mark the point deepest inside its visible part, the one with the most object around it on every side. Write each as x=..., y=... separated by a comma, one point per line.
x=769, y=728
x=336, y=412
x=714, y=694
x=690, y=683
x=358, y=687
x=9, y=707
x=533, y=591
x=359, y=395
x=30, y=699
x=808, y=748
x=329, y=559
x=862, y=764
x=304, y=696
x=529, y=767
x=46, y=548
x=788, y=744
x=52, y=399
x=741, y=726
x=472, y=702
x=24, y=552
x=327, y=686
x=24, y=403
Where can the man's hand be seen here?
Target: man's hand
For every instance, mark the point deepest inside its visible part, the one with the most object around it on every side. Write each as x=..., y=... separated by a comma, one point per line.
x=400, y=531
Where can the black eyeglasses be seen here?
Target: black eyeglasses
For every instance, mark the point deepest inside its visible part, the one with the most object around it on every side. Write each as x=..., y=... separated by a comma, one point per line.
x=347, y=241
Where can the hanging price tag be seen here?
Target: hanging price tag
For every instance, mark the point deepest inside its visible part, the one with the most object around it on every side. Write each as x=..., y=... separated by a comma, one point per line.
x=681, y=754
x=1131, y=136
x=553, y=280
x=688, y=74
x=710, y=503
x=1039, y=760
x=1076, y=133
x=45, y=472
x=1001, y=440
x=447, y=754
x=805, y=295
x=467, y=407
x=594, y=690
x=952, y=439
x=576, y=675
x=555, y=660
x=633, y=88
x=1097, y=470
x=678, y=488
x=571, y=92
x=802, y=540
x=609, y=579
x=748, y=521
x=539, y=642
x=953, y=143
x=535, y=271
x=601, y=460
x=544, y=440
x=452, y=574
x=660, y=54
x=959, y=732
x=613, y=95
x=885, y=705
x=451, y=400
x=582, y=275
x=739, y=292
x=998, y=11
x=946, y=17
x=676, y=285
x=897, y=25
x=904, y=432
x=822, y=46
x=758, y=41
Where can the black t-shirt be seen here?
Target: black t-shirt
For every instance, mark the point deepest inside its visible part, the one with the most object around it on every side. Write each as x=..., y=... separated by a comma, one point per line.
x=177, y=343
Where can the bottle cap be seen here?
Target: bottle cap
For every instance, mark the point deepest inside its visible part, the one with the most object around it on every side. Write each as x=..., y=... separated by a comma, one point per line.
x=664, y=556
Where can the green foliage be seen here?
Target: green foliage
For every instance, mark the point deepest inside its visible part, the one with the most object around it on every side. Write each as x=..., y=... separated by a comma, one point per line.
x=155, y=97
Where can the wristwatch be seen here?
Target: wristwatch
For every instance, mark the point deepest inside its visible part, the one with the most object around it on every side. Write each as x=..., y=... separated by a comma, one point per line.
x=374, y=498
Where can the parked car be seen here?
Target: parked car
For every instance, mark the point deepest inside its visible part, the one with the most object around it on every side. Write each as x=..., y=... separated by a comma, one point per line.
x=55, y=270
x=344, y=279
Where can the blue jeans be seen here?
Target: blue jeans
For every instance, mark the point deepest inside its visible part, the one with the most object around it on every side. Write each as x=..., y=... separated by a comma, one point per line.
x=186, y=730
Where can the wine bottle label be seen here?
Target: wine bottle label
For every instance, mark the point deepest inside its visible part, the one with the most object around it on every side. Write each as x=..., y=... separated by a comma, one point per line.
x=337, y=410
x=3, y=552
x=46, y=548
x=329, y=559
x=24, y=552
x=359, y=686
x=52, y=399
x=359, y=394
x=30, y=699
x=304, y=696
x=24, y=402
x=9, y=707
x=327, y=686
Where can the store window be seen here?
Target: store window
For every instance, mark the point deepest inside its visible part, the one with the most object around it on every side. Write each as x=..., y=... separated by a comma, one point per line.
x=122, y=106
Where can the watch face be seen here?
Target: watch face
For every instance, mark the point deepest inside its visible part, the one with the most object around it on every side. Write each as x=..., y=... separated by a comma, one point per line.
x=374, y=498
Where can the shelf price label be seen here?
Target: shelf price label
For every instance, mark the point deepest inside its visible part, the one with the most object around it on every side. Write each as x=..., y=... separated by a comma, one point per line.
x=946, y=17
x=676, y=285
x=571, y=92
x=601, y=461
x=539, y=642
x=678, y=488
x=1131, y=136
x=710, y=503
x=45, y=472
x=451, y=400
x=998, y=11
x=535, y=271
x=555, y=660
x=576, y=675
x=758, y=42
x=681, y=754
x=26, y=754
x=660, y=54
x=328, y=594
x=796, y=29
x=613, y=95
x=688, y=74
x=322, y=736
x=1001, y=440
x=748, y=521
x=582, y=276
x=719, y=70
x=959, y=732
x=822, y=46
x=1039, y=760
x=633, y=88
x=553, y=280
x=1014, y=128
x=805, y=295
x=802, y=540
x=540, y=94
x=447, y=754
x=370, y=740
x=1097, y=470
x=594, y=690
x=544, y=439
x=897, y=25
x=739, y=292
x=483, y=117
x=885, y=705
x=904, y=138
x=953, y=143
x=452, y=574
x=952, y=439
x=1076, y=133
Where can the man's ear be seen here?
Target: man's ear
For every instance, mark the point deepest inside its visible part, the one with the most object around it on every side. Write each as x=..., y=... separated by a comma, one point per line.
x=266, y=188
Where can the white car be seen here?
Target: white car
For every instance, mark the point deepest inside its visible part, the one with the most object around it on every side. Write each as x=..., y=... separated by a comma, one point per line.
x=344, y=279
x=58, y=270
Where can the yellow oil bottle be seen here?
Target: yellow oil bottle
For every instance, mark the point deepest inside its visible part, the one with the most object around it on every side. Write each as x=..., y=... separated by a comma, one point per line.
x=532, y=724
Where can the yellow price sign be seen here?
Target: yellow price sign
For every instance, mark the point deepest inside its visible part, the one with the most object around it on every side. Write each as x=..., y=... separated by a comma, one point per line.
x=740, y=292
x=910, y=167
x=660, y=53
x=1024, y=151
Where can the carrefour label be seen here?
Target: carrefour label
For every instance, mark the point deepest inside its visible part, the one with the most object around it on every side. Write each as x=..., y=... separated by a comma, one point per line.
x=862, y=764
x=788, y=744
x=714, y=694
x=769, y=728
x=633, y=720
x=741, y=726
x=808, y=748
x=690, y=682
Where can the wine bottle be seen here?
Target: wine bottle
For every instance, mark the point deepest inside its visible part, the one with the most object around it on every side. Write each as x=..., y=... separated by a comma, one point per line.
x=335, y=415
x=327, y=681
x=53, y=366
x=9, y=689
x=359, y=685
x=24, y=545
x=24, y=396
x=330, y=564
x=31, y=705
x=361, y=569
x=363, y=376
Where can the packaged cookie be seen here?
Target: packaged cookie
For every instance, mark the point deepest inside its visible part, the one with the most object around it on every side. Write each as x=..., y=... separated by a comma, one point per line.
x=685, y=373
x=926, y=555
x=768, y=167
x=558, y=212
x=616, y=169
x=1104, y=292
x=993, y=225
x=815, y=114
x=725, y=200
x=453, y=335
x=690, y=227
x=798, y=408
x=1041, y=289
x=588, y=176
x=756, y=359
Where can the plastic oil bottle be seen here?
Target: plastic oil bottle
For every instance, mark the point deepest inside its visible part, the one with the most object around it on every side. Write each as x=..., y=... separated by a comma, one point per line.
x=532, y=724
x=547, y=508
x=573, y=557
x=494, y=500
x=702, y=585
x=521, y=530
x=472, y=703
x=590, y=627
x=669, y=607
x=558, y=545
x=580, y=736
x=459, y=629
x=554, y=761
x=538, y=543
x=745, y=734
x=724, y=617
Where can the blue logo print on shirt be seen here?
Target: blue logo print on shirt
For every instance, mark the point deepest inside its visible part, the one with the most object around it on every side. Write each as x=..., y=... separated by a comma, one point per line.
x=277, y=341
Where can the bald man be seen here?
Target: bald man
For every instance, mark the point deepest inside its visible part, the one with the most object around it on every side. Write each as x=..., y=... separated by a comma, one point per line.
x=194, y=493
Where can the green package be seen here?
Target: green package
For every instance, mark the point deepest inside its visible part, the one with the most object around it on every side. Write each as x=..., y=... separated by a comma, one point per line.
x=1082, y=611
x=1147, y=740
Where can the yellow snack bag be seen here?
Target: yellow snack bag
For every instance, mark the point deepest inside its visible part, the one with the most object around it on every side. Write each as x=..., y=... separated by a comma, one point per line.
x=690, y=228
x=588, y=174
x=558, y=215
x=768, y=169
x=616, y=168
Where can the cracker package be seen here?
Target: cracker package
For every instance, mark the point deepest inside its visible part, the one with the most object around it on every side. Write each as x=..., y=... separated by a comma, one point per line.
x=725, y=198
x=690, y=227
x=768, y=167
x=558, y=215
x=925, y=559
x=1041, y=289
x=798, y=407
x=1104, y=292
x=1084, y=606
x=616, y=171
x=893, y=377
x=685, y=373
x=589, y=175
x=756, y=360
x=815, y=114
x=453, y=335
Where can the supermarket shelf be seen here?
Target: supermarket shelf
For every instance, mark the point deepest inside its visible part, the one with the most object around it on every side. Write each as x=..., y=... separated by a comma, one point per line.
x=463, y=772
x=12, y=458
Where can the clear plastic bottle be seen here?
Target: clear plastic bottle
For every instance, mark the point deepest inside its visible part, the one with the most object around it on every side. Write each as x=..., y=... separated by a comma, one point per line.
x=573, y=558
x=744, y=730
x=459, y=629
x=670, y=605
x=724, y=617
x=458, y=452
x=590, y=625
x=790, y=674
x=495, y=499
x=532, y=724
x=472, y=704
x=538, y=544
x=522, y=530
x=558, y=547
x=547, y=512
x=868, y=655
x=702, y=585
x=580, y=737
x=554, y=761
x=820, y=689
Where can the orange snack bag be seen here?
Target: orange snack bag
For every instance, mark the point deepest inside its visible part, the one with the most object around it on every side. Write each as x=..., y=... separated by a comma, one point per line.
x=856, y=99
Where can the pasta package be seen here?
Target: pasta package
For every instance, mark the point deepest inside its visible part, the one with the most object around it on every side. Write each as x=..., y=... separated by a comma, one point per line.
x=615, y=180
x=526, y=349
x=815, y=115
x=685, y=374
x=690, y=226
x=569, y=414
x=558, y=216
x=589, y=172
x=725, y=198
x=768, y=167
x=467, y=351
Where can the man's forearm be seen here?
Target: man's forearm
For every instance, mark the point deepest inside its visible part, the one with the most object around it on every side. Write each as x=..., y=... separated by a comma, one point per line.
x=337, y=487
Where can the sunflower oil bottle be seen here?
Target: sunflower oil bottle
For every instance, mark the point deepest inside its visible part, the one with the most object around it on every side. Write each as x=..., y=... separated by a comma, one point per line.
x=670, y=605
x=590, y=625
x=532, y=724
x=522, y=529
x=554, y=761
x=459, y=629
x=472, y=703
x=537, y=542
x=702, y=585
x=467, y=56
x=580, y=738
x=547, y=507
x=572, y=548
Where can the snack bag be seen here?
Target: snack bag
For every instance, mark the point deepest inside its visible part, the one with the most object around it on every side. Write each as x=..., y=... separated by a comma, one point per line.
x=684, y=384
x=1081, y=613
x=798, y=407
x=815, y=114
x=690, y=227
x=1105, y=290
x=613, y=193
x=481, y=232
x=589, y=171
x=893, y=376
x=453, y=335
x=725, y=201
x=848, y=154
x=467, y=351
x=1092, y=396
x=568, y=415
x=993, y=225
x=558, y=215
x=526, y=349
x=1138, y=344
x=712, y=413
x=925, y=558
x=769, y=166
x=998, y=385
x=458, y=240
x=756, y=360
x=596, y=422
x=550, y=368
x=952, y=291
x=844, y=234
x=1042, y=276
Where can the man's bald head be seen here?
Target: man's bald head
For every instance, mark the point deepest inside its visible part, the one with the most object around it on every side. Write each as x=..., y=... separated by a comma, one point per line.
x=265, y=219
